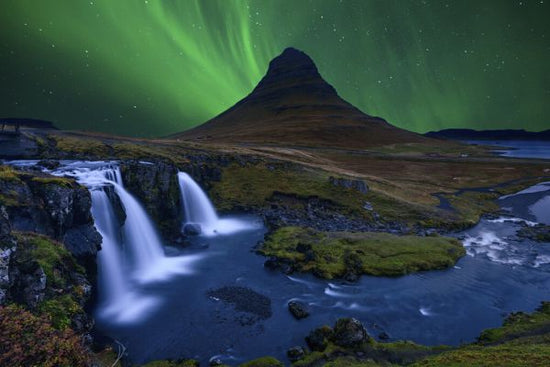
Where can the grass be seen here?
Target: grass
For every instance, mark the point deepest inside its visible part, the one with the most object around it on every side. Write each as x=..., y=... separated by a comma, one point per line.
x=263, y=362
x=59, y=181
x=7, y=173
x=523, y=340
x=334, y=255
x=255, y=186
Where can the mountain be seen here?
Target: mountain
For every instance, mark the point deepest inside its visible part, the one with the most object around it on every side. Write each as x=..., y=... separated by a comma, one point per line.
x=469, y=134
x=294, y=105
x=24, y=122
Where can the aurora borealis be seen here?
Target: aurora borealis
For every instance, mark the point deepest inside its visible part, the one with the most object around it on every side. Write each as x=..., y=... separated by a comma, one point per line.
x=149, y=68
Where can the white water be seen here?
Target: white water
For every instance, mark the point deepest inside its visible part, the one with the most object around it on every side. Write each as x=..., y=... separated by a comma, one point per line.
x=119, y=302
x=136, y=240
x=199, y=210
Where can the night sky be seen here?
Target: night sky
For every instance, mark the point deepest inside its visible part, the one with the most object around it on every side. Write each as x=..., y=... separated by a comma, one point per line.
x=149, y=68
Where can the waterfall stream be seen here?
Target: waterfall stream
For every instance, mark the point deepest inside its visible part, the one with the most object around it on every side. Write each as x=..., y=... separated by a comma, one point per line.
x=121, y=296
x=198, y=210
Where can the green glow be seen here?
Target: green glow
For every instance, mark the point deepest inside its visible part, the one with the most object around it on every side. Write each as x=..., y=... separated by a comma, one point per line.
x=155, y=67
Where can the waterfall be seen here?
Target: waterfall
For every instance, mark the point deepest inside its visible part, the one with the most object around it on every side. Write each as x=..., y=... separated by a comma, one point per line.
x=111, y=273
x=198, y=209
x=139, y=233
x=121, y=299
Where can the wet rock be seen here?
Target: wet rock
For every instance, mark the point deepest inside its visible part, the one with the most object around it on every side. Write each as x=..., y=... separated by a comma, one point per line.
x=349, y=332
x=157, y=188
x=298, y=309
x=215, y=362
x=48, y=164
x=82, y=241
x=318, y=339
x=295, y=353
x=192, y=229
x=244, y=300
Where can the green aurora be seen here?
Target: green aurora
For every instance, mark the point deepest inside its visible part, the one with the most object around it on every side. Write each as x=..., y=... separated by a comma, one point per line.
x=150, y=68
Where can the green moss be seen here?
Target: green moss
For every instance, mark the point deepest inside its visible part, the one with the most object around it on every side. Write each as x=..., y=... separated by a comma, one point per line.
x=502, y=355
x=331, y=255
x=519, y=324
x=259, y=185
x=81, y=145
x=52, y=257
x=60, y=310
x=263, y=362
x=7, y=173
x=60, y=181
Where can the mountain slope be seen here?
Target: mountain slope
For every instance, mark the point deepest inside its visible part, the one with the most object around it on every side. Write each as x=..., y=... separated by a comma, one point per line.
x=294, y=105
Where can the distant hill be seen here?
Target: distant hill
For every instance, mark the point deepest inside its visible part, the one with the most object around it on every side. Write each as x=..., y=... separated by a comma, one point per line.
x=294, y=105
x=23, y=122
x=469, y=134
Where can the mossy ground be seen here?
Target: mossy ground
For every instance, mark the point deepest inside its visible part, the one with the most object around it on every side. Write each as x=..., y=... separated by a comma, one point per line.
x=257, y=185
x=523, y=340
x=332, y=255
x=64, y=297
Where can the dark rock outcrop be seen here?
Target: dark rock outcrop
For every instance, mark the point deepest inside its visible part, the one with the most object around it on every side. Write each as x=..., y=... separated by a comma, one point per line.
x=349, y=332
x=56, y=207
x=244, y=300
x=319, y=338
x=156, y=187
x=192, y=229
x=295, y=353
x=298, y=309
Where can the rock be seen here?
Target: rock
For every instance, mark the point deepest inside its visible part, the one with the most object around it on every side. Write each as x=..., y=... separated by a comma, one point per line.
x=33, y=287
x=48, y=164
x=358, y=185
x=383, y=336
x=7, y=247
x=295, y=353
x=298, y=309
x=349, y=332
x=192, y=229
x=318, y=339
x=215, y=362
x=82, y=241
x=156, y=187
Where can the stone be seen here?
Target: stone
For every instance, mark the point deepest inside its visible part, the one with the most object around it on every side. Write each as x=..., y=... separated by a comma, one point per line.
x=358, y=185
x=215, y=362
x=192, y=229
x=82, y=241
x=298, y=309
x=383, y=336
x=318, y=338
x=349, y=332
x=295, y=353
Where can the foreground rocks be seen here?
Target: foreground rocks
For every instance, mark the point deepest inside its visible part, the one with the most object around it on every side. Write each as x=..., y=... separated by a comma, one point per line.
x=298, y=309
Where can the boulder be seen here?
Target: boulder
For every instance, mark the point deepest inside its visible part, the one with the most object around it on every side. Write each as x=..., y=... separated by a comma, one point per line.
x=349, y=332
x=318, y=339
x=298, y=309
x=295, y=353
x=192, y=229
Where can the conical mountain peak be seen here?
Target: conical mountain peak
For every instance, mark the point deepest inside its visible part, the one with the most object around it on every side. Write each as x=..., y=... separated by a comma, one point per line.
x=293, y=104
x=293, y=71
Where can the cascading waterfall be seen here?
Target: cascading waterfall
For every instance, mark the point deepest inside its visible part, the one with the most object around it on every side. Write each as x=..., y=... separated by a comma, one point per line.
x=111, y=273
x=121, y=299
x=198, y=209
